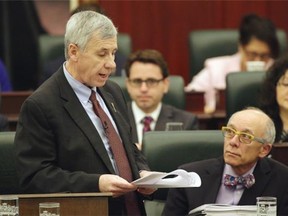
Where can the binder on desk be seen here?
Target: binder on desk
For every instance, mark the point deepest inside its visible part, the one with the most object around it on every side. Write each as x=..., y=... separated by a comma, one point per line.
x=224, y=210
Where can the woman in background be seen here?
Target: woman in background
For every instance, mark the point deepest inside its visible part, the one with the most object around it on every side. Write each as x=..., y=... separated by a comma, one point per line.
x=274, y=97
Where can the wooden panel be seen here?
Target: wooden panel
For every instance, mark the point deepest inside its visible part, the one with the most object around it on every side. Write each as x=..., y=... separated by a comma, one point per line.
x=71, y=204
x=280, y=152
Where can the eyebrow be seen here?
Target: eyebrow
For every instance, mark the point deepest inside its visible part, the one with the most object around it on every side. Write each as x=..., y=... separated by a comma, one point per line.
x=244, y=131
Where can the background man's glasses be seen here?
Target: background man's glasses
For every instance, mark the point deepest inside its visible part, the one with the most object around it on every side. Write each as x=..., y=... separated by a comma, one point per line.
x=245, y=138
x=251, y=55
x=149, y=82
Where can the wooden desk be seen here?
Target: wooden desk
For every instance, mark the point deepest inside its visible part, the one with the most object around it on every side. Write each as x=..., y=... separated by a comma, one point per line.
x=71, y=204
x=280, y=152
x=11, y=103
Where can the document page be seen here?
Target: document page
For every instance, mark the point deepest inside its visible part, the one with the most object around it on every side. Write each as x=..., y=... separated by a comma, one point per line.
x=175, y=179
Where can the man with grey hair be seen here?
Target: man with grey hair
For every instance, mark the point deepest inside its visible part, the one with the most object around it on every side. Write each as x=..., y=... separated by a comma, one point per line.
x=242, y=174
x=73, y=133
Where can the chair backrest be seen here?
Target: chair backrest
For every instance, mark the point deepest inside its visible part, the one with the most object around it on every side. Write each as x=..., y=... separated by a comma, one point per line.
x=9, y=183
x=175, y=95
x=167, y=150
x=242, y=90
x=209, y=43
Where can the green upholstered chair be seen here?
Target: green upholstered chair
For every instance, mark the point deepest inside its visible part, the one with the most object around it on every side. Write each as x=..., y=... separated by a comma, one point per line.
x=8, y=177
x=167, y=150
x=242, y=90
x=209, y=43
x=175, y=95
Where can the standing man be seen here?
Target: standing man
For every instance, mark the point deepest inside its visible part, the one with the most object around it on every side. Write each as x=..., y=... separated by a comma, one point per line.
x=242, y=174
x=72, y=134
x=147, y=82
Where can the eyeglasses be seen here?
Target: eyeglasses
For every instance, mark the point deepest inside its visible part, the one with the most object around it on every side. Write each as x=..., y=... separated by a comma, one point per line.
x=245, y=138
x=149, y=82
x=251, y=55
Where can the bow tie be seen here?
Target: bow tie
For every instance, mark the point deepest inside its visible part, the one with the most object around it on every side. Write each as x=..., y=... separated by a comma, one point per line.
x=232, y=181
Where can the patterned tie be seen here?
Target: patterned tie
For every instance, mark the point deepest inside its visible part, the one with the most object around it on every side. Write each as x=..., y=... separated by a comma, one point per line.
x=146, y=121
x=119, y=154
x=231, y=181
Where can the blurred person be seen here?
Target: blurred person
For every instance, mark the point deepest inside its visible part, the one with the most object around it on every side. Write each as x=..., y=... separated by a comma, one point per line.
x=242, y=174
x=72, y=128
x=257, y=42
x=274, y=97
x=5, y=84
x=147, y=82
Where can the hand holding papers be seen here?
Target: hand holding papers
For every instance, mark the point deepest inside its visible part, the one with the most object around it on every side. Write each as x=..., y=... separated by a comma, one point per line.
x=175, y=179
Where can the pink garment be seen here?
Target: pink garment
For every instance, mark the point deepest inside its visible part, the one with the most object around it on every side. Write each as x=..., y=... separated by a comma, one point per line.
x=213, y=77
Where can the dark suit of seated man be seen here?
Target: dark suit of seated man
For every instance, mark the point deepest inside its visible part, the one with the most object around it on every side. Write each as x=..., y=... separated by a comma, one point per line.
x=248, y=140
x=147, y=82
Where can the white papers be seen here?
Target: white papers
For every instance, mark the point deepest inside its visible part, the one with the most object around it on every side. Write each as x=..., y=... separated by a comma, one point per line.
x=224, y=210
x=175, y=179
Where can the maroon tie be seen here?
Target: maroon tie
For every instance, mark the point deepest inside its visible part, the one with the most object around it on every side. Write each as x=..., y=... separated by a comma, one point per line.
x=146, y=121
x=119, y=154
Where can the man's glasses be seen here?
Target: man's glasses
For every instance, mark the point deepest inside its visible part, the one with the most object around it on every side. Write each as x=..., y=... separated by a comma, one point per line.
x=243, y=137
x=149, y=82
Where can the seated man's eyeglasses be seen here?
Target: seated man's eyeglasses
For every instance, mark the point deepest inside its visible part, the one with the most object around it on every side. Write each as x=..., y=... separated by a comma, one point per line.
x=243, y=137
x=252, y=55
x=149, y=82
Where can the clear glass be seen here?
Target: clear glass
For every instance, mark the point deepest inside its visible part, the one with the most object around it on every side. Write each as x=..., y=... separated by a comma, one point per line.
x=9, y=205
x=266, y=206
x=170, y=126
x=49, y=209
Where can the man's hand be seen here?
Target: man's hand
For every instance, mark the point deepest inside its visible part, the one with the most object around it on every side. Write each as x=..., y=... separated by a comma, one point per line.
x=115, y=184
x=146, y=190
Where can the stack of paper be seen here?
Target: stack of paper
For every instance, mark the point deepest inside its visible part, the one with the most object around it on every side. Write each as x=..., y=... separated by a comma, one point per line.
x=224, y=210
x=175, y=179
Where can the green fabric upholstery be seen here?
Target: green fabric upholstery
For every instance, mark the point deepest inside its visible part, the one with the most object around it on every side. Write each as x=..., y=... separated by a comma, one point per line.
x=167, y=150
x=242, y=90
x=8, y=176
x=175, y=95
x=209, y=43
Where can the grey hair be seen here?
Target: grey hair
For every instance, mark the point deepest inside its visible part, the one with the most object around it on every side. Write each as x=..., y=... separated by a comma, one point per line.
x=82, y=25
x=270, y=131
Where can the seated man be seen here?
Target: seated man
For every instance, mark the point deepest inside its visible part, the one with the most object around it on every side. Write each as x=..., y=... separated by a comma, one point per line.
x=147, y=82
x=257, y=42
x=248, y=140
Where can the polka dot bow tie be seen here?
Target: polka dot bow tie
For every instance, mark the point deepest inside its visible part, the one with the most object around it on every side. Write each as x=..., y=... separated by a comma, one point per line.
x=232, y=181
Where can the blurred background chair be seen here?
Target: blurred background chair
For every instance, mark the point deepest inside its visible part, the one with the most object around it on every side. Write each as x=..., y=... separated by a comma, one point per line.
x=242, y=89
x=8, y=177
x=167, y=150
x=175, y=95
x=209, y=43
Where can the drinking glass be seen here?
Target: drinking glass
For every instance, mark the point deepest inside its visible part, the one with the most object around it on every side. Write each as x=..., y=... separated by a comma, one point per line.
x=49, y=209
x=9, y=205
x=170, y=126
x=266, y=206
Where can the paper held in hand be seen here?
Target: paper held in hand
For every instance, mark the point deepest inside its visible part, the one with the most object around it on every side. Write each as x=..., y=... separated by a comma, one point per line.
x=175, y=179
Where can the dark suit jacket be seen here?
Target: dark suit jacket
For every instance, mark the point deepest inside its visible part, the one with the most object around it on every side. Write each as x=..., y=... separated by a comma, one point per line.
x=167, y=114
x=271, y=180
x=58, y=149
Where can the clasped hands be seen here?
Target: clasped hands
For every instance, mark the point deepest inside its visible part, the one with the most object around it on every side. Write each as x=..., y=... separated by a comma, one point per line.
x=119, y=186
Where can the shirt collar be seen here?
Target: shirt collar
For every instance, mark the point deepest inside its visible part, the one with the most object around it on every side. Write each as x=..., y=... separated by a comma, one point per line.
x=139, y=114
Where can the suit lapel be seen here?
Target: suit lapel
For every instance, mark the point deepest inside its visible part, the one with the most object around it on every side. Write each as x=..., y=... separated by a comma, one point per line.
x=166, y=115
x=80, y=117
x=262, y=174
x=132, y=122
x=213, y=180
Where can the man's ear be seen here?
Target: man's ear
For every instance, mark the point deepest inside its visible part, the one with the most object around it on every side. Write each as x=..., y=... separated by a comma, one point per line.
x=167, y=84
x=73, y=52
x=265, y=150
